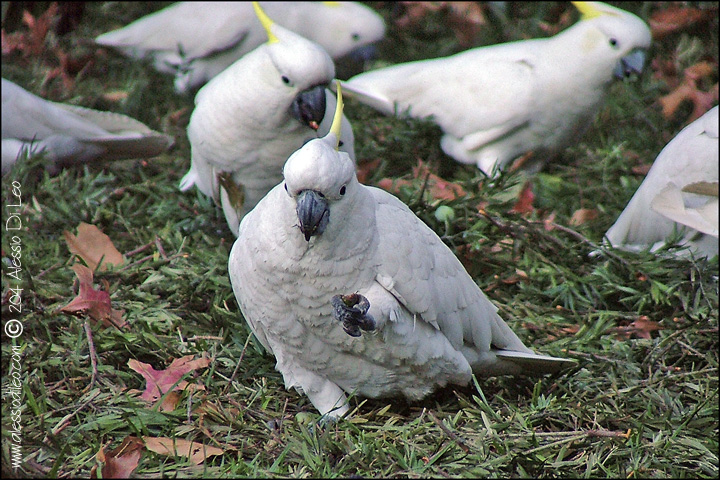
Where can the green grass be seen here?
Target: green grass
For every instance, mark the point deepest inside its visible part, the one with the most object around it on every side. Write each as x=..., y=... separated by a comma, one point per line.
x=633, y=407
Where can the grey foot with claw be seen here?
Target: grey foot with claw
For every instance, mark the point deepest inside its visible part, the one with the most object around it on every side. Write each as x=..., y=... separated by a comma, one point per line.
x=351, y=310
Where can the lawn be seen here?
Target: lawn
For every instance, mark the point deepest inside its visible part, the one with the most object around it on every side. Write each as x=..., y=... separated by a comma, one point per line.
x=641, y=402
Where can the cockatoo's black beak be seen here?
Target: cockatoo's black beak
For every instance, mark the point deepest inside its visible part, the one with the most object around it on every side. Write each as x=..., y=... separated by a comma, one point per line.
x=631, y=63
x=313, y=213
x=309, y=106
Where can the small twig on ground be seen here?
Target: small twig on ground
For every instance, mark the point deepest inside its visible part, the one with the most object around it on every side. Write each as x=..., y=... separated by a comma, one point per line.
x=204, y=337
x=150, y=257
x=608, y=434
x=139, y=249
x=93, y=355
x=449, y=433
x=160, y=248
x=52, y=267
x=237, y=366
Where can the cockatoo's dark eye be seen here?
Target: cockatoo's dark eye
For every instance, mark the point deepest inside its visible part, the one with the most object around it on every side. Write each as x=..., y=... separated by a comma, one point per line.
x=613, y=42
x=355, y=37
x=342, y=190
x=285, y=80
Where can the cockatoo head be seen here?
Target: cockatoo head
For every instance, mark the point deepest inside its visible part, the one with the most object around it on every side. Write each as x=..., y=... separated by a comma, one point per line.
x=340, y=39
x=302, y=67
x=613, y=35
x=318, y=176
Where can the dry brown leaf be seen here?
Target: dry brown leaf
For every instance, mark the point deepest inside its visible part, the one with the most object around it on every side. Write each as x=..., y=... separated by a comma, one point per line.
x=518, y=276
x=676, y=18
x=92, y=245
x=115, y=95
x=688, y=90
x=93, y=303
x=466, y=19
x=210, y=408
x=524, y=203
x=169, y=402
x=437, y=187
x=549, y=222
x=364, y=170
x=39, y=27
x=641, y=169
x=641, y=328
x=121, y=461
x=160, y=381
x=583, y=215
x=195, y=452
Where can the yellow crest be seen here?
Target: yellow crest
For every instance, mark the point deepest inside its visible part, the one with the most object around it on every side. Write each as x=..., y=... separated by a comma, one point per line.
x=336, y=127
x=588, y=10
x=266, y=22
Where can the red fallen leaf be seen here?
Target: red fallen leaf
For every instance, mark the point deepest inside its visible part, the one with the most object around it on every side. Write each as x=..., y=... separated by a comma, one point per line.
x=121, y=461
x=92, y=245
x=12, y=41
x=689, y=91
x=197, y=453
x=553, y=28
x=415, y=11
x=641, y=169
x=665, y=69
x=93, y=303
x=524, y=203
x=437, y=187
x=160, y=381
x=465, y=18
x=39, y=27
x=675, y=18
x=583, y=215
x=364, y=170
x=68, y=69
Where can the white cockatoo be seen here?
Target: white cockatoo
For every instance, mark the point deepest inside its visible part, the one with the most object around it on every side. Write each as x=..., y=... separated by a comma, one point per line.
x=354, y=293
x=252, y=116
x=679, y=196
x=498, y=102
x=197, y=40
x=68, y=134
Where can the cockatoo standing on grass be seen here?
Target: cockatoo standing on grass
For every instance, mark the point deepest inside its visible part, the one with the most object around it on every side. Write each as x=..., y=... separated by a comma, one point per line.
x=678, y=196
x=354, y=293
x=498, y=102
x=250, y=118
x=197, y=40
x=68, y=134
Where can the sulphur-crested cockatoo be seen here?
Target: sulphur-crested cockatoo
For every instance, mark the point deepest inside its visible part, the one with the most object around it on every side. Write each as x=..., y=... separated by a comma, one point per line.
x=252, y=116
x=679, y=197
x=354, y=293
x=68, y=134
x=498, y=102
x=197, y=40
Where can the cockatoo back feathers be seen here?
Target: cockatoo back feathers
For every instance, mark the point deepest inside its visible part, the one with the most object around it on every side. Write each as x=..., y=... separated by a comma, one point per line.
x=497, y=102
x=70, y=134
x=678, y=193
